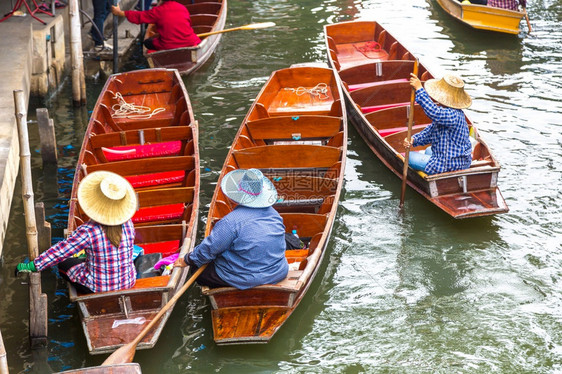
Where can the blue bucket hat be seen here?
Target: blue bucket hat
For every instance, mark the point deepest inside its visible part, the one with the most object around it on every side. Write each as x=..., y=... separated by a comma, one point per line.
x=250, y=188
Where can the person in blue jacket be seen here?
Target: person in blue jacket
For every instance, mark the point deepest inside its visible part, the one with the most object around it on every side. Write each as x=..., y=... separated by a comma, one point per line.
x=246, y=248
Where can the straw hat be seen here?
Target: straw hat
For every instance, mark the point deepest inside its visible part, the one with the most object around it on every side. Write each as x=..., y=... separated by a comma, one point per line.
x=107, y=198
x=249, y=187
x=449, y=91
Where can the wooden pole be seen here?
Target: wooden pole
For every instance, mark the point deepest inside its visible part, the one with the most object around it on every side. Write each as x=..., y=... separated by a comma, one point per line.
x=76, y=57
x=527, y=19
x=409, y=137
x=37, y=301
x=43, y=228
x=116, y=41
x=3, y=359
x=47, y=136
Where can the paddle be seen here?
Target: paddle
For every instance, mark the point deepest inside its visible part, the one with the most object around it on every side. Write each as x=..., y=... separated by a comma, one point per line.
x=527, y=19
x=126, y=353
x=253, y=26
x=409, y=138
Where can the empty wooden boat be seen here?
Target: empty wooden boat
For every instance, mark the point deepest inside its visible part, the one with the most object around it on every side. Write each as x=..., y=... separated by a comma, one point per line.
x=374, y=70
x=157, y=151
x=483, y=17
x=206, y=16
x=296, y=134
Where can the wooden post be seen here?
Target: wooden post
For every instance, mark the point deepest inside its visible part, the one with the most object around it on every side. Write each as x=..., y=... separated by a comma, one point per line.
x=116, y=41
x=47, y=136
x=37, y=301
x=43, y=228
x=76, y=57
x=3, y=359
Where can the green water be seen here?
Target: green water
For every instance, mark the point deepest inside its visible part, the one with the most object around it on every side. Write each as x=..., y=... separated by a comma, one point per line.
x=397, y=293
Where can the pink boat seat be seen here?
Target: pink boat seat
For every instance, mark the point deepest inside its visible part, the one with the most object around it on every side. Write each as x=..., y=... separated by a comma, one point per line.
x=353, y=87
x=159, y=213
x=130, y=152
x=155, y=179
x=374, y=108
x=386, y=132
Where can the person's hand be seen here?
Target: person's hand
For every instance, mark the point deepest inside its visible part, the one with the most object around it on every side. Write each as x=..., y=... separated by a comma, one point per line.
x=117, y=11
x=181, y=263
x=415, y=81
x=25, y=267
x=407, y=144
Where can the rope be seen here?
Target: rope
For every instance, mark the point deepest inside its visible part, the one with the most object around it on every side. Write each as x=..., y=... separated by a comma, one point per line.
x=124, y=109
x=320, y=90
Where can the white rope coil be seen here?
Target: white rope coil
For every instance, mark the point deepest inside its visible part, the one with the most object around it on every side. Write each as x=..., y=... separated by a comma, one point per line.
x=124, y=109
x=320, y=90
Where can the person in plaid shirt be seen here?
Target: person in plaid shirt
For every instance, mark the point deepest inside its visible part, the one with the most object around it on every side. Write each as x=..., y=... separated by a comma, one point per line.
x=508, y=4
x=448, y=133
x=107, y=238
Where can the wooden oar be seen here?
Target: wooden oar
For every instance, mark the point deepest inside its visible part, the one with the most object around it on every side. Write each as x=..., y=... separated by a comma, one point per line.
x=252, y=26
x=126, y=353
x=409, y=138
x=527, y=19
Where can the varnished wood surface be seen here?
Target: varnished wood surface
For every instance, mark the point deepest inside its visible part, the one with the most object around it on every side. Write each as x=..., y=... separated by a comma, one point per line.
x=296, y=133
x=378, y=92
x=156, y=89
x=131, y=368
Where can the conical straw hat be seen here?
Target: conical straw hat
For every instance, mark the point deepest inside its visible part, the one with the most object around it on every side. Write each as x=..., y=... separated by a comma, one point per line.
x=107, y=198
x=449, y=91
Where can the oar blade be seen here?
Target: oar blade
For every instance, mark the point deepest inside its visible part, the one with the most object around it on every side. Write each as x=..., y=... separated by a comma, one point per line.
x=261, y=25
x=123, y=355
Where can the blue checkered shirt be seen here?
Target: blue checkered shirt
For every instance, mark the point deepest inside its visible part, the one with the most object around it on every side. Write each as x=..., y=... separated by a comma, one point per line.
x=447, y=134
x=106, y=268
x=247, y=247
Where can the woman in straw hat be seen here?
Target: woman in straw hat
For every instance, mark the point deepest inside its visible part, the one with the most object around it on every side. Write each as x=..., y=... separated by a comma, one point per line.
x=246, y=248
x=448, y=133
x=107, y=239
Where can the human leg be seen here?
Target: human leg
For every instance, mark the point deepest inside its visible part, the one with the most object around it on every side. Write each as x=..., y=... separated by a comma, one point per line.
x=418, y=160
x=210, y=278
x=65, y=266
x=100, y=13
x=149, y=43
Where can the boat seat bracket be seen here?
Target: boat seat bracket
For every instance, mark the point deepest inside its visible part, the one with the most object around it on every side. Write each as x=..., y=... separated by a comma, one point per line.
x=125, y=303
x=462, y=183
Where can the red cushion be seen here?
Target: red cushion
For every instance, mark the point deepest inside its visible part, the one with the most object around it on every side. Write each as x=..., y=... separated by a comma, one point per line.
x=129, y=152
x=150, y=50
x=159, y=213
x=166, y=248
x=375, y=108
x=155, y=179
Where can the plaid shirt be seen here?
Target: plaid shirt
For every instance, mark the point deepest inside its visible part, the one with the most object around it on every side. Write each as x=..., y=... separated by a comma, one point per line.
x=507, y=4
x=106, y=268
x=447, y=134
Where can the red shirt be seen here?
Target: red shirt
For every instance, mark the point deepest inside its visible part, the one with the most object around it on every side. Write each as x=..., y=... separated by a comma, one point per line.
x=173, y=24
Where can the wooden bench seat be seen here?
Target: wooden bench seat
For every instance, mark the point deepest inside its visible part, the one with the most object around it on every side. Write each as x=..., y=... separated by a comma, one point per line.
x=382, y=96
x=291, y=127
x=141, y=285
x=287, y=156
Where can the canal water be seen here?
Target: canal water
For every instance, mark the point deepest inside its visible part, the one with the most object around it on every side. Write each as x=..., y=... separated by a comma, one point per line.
x=416, y=292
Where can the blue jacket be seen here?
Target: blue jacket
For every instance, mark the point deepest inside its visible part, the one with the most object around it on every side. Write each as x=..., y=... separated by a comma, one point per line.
x=247, y=247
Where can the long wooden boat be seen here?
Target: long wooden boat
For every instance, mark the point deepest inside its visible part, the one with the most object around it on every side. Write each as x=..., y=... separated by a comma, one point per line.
x=482, y=17
x=374, y=70
x=158, y=153
x=206, y=16
x=296, y=134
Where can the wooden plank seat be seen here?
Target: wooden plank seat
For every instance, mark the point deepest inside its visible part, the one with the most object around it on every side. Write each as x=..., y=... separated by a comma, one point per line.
x=294, y=127
x=143, y=143
x=204, y=8
x=149, y=172
x=376, y=73
x=287, y=156
x=381, y=97
x=141, y=284
x=203, y=20
x=163, y=205
x=289, y=284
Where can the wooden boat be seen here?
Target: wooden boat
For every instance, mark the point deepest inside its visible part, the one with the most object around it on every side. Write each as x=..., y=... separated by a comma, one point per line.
x=482, y=17
x=206, y=16
x=374, y=69
x=158, y=153
x=130, y=368
x=296, y=134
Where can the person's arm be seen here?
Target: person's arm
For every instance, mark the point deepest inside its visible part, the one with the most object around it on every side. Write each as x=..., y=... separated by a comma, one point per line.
x=219, y=240
x=78, y=241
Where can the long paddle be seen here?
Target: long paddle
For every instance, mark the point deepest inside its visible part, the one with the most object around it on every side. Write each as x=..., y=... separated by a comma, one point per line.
x=527, y=19
x=409, y=138
x=252, y=26
x=126, y=353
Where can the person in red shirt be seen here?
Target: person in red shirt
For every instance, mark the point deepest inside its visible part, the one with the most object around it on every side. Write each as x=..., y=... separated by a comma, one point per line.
x=172, y=21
